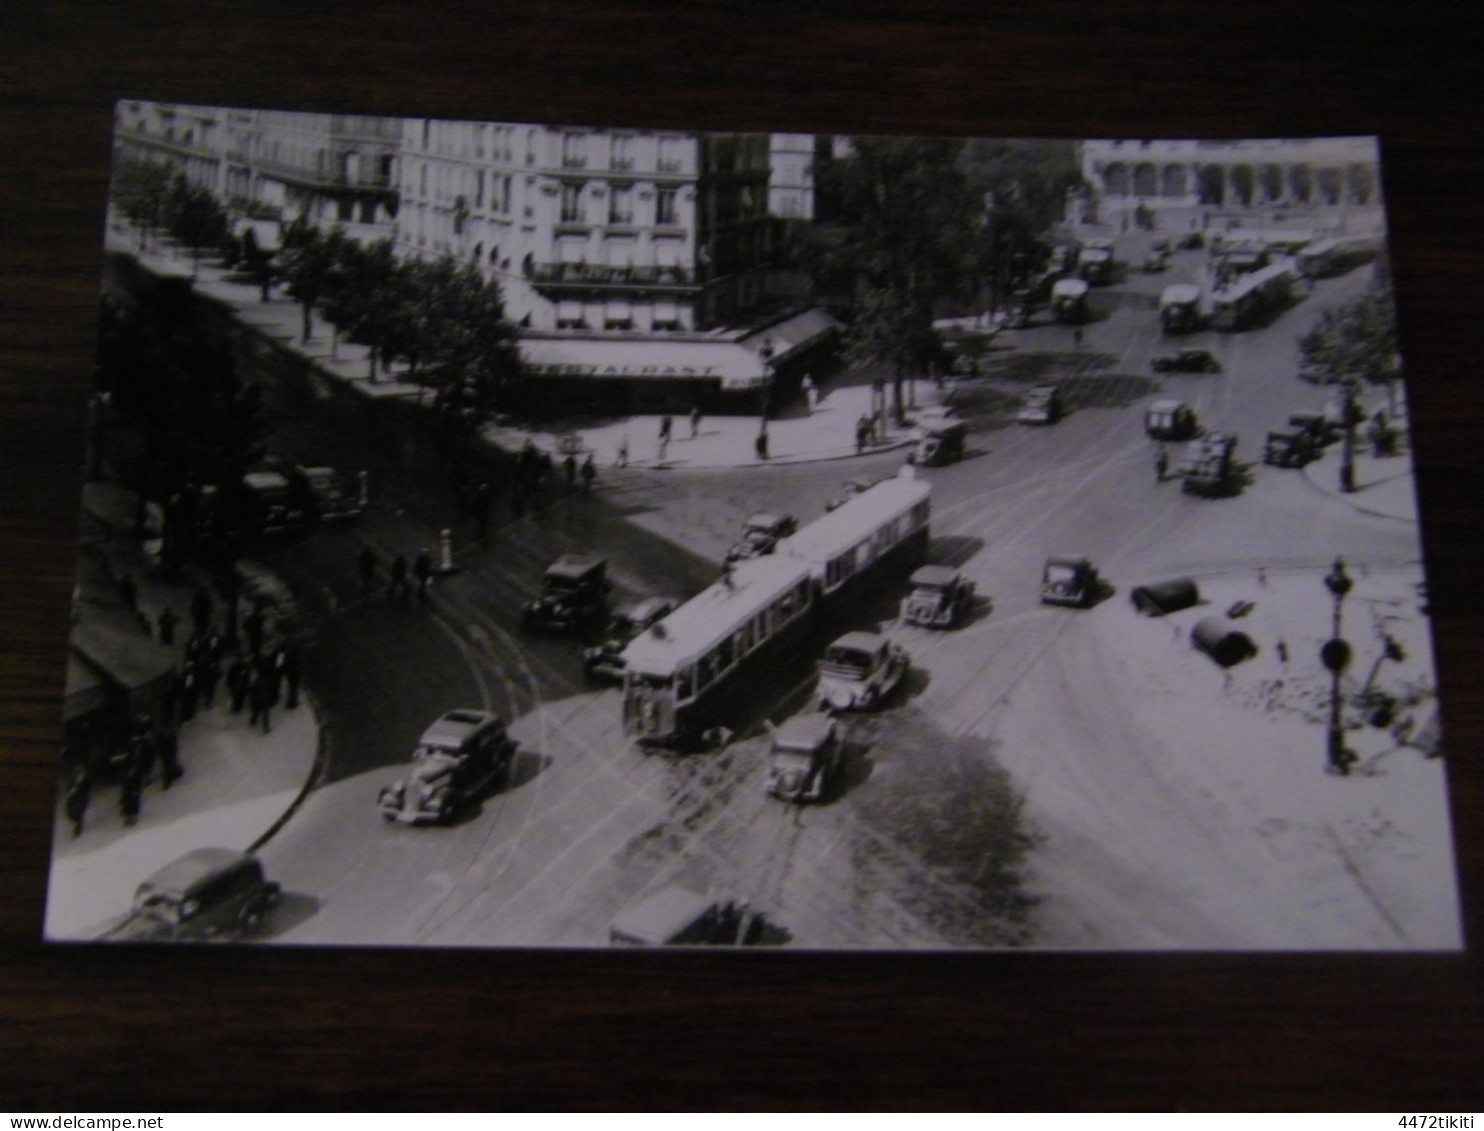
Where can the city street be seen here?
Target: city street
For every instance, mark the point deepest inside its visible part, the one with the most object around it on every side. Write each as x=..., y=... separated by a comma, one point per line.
x=1031, y=788
x=1047, y=777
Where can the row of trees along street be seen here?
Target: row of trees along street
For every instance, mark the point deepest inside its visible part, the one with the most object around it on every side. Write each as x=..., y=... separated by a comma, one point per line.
x=911, y=227
x=443, y=320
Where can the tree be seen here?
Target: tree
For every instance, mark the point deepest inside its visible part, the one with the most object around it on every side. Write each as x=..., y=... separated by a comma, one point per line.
x=903, y=219
x=308, y=256
x=1355, y=340
x=195, y=218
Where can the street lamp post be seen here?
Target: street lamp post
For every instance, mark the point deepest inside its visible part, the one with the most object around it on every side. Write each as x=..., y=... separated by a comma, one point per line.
x=1335, y=655
x=1347, y=452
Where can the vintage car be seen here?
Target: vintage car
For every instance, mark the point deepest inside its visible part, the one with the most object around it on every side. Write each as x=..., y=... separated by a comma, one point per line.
x=850, y=489
x=336, y=497
x=1042, y=405
x=761, y=534
x=209, y=893
x=457, y=758
x=805, y=759
x=938, y=442
x=1209, y=464
x=1154, y=263
x=1069, y=579
x=679, y=916
x=605, y=660
x=1186, y=361
x=858, y=671
x=574, y=595
x=940, y=597
x=1170, y=420
x=1291, y=449
x=1191, y=241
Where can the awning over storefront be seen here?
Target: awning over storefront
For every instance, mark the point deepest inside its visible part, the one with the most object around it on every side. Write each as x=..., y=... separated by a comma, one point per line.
x=733, y=364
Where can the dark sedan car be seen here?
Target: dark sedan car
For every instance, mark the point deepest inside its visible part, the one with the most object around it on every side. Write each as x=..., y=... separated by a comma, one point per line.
x=1186, y=361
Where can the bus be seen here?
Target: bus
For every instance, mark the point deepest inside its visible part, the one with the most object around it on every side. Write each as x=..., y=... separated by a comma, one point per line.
x=1181, y=310
x=1252, y=297
x=1338, y=255
x=698, y=667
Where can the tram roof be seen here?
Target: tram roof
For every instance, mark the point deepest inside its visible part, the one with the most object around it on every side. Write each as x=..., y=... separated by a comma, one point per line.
x=847, y=524
x=713, y=614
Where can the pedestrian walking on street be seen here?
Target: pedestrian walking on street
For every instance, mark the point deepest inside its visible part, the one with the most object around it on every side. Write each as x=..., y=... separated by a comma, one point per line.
x=666, y=424
x=484, y=498
x=79, y=793
x=695, y=422
x=422, y=569
x=167, y=744
x=589, y=473
x=129, y=796
x=239, y=679
x=664, y=448
x=167, y=620
x=261, y=698
x=622, y=458
x=1161, y=463
x=288, y=668
x=862, y=430
x=811, y=394
x=201, y=608
x=569, y=466
x=398, y=582
x=1077, y=337
x=254, y=624
x=190, y=687
x=366, y=561
x=760, y=445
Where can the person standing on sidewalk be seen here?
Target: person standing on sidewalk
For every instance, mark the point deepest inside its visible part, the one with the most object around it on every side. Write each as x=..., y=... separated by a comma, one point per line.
x=366, y=563
x=811, y=394
x=239, y=680
x=760, y=445
x=398, y=582
x=422, y=569
x=589, y=473
x=210, y=675
x=262, y=698
x=129, y=796
x=695, y=422
x=288, y=669
x=1161, y=463
x=79, y=793
x=622, y=457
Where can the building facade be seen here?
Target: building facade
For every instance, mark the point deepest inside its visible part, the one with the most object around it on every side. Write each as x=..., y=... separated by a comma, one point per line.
x=1302, y=175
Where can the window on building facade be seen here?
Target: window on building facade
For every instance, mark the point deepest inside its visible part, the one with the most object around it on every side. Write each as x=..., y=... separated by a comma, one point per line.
x=574, y=151
x=664, y=207
x=622, y=157
x=621, y=205
x=572, y=212
x=669, y=155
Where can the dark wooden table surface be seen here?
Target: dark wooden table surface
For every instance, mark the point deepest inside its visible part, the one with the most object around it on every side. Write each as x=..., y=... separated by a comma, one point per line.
x=86, y=1028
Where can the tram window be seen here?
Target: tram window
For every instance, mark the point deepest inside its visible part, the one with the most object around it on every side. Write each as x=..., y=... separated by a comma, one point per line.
x=724, y=654
x=682, y=683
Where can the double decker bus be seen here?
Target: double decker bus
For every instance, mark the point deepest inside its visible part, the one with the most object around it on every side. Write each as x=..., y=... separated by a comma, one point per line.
x=698, y=667
x=1252, y=297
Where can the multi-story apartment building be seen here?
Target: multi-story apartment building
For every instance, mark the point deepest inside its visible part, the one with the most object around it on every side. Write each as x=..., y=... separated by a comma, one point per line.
x=329, y=169
x=634, y=261
x=1338, y=176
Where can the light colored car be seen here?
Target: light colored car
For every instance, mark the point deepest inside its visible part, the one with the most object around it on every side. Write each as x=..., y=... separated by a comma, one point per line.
x=679, y=916
x=1042, y=405
x=858, y=671
x=805, y=758
x=457, y=757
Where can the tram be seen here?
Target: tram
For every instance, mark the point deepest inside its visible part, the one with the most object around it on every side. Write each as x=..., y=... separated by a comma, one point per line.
x=690, y=671
x=1252, y=297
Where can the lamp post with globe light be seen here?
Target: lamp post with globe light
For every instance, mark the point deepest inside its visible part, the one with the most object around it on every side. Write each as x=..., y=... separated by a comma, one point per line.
x=1335, y=655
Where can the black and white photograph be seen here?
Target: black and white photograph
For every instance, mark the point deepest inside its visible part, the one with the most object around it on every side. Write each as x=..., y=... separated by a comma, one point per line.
x=510, y=535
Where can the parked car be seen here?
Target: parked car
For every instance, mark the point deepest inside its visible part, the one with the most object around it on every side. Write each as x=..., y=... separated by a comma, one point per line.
x=1186, y=361
x=574, y=595
x=679, y=916
x=1069, y=579
x=806, y=758
x=940, y=597
x=858, y=671
x=1170, y=420
x=209, y=893
x=1291, y=449
x=761, y=534
x=605, y=660
x=1042, y=405
x=850, y=490
x=456, y=759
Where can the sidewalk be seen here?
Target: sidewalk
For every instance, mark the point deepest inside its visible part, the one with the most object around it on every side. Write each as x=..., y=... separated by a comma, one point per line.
x=237, y=783
x=1384, y=486
x=795, y=434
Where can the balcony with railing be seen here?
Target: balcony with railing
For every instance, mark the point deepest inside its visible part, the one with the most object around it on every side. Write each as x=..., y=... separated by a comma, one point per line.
x=599, y=276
